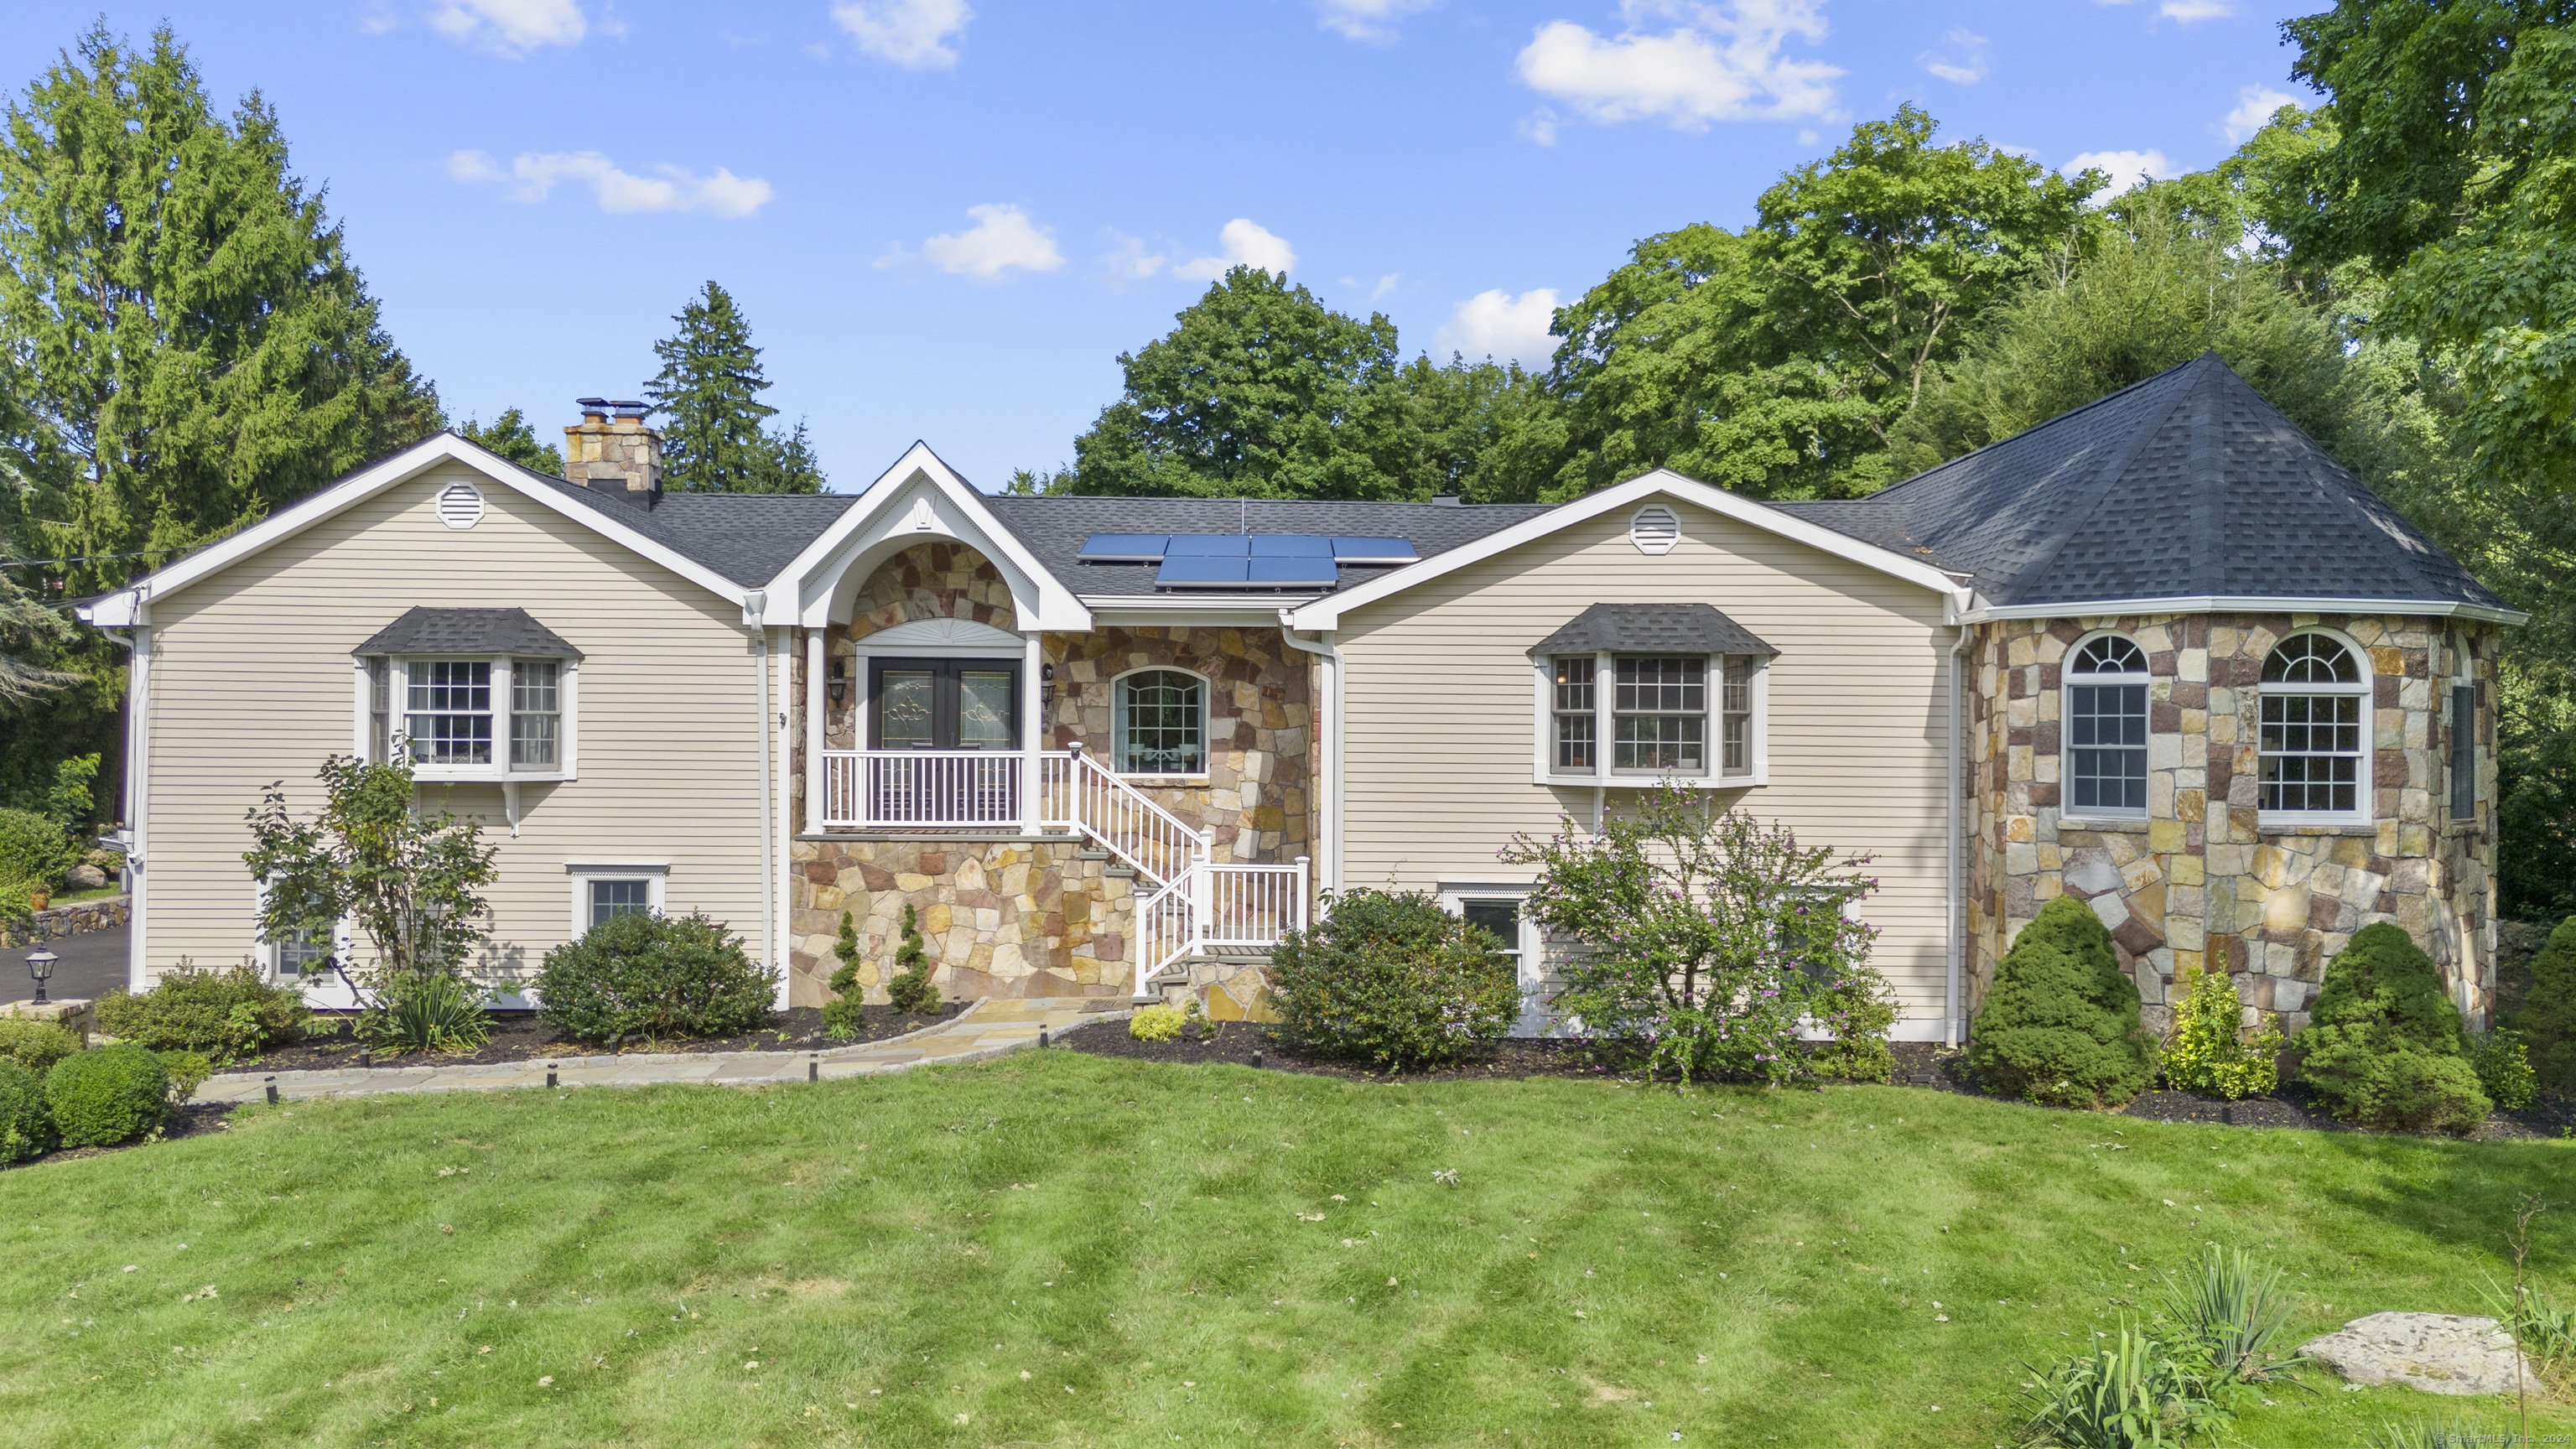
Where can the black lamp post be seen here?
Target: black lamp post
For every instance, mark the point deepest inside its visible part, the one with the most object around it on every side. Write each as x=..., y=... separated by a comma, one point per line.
x=40, y=964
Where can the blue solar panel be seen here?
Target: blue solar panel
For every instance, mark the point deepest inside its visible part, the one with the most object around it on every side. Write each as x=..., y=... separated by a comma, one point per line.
x=1279, y=573
x=1202, y=573
x=1291, y=545
x=1208, y=545
x=1123, y=548
x=1374, y=550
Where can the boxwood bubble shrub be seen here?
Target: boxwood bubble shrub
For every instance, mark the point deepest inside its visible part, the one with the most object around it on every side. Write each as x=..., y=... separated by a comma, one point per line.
x=26, y=1128
x=107, y=1094
x=2384, y=1046
x=1390, y=977
x=2060, y=1023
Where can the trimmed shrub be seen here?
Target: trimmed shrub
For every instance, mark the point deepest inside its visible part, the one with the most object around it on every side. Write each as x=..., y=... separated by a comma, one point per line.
x=842, y=1015
x=2504, y=1069
x=26, y=1128
x=107, y=1094
x=34, y=849
x=654, y=977
x=2547, y=1020
x=36, y=1045
x=228, y=1015
x=1392, y=978
x=909, y=988
x=2385, y=1047
x=2208, y=1051
x=1157, y=1023
x=2060, y=1023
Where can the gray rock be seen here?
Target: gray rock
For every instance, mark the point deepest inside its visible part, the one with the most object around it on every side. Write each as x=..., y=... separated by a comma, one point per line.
x=2438, y=1353
x=85, y=878
x=2093, y=877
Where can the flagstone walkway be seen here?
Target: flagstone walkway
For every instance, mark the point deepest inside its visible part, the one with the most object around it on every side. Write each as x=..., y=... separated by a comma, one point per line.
x=987, y=1029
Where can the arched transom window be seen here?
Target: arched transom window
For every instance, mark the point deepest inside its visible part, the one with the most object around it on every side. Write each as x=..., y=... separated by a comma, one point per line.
x=1159, y=723
x=2106, y=728
x=2313, y=734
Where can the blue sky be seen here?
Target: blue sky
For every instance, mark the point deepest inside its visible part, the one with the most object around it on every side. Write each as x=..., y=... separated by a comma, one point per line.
x=946, y=218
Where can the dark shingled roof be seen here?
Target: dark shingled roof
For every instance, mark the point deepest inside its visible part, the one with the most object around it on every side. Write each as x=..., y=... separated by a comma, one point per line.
x=1054, y=526
x=747, y=537
x=1652, y=628
x=468, y=631
x=2185, y=485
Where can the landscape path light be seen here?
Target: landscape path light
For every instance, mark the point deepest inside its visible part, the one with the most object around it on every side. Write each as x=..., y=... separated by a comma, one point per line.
x=40, y=965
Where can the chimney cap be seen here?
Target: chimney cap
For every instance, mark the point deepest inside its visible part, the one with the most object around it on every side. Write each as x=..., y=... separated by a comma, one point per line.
x=590, y=402
x=637, y=408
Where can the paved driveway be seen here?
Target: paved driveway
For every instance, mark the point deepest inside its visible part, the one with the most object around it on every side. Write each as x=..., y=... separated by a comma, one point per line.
x=91, y=966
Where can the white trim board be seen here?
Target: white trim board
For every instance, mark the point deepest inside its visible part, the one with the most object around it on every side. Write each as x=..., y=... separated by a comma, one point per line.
x=132, y=604
x=2245, y=604
x=1326, y=612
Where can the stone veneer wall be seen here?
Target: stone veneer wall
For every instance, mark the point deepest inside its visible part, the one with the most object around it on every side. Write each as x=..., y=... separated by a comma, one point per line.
x=2198, y=884
x=1012, y=916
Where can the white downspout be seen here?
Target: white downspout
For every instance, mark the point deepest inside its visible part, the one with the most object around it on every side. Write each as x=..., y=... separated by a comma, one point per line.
x=1328, y=753
x=138, y=648
x=751, y=611
x=782, y=844
x=1954, y=915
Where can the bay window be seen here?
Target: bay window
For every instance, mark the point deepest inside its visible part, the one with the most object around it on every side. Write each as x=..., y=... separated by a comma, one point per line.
x=468, y=694
x=1631, y=693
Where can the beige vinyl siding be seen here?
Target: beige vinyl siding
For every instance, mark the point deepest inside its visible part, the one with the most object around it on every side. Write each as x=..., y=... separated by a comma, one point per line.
x=1439, y=723
x=252, y=681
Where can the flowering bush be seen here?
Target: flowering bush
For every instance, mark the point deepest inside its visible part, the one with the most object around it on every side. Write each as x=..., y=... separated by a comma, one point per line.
x=1712, y=941
x=2208, y=1051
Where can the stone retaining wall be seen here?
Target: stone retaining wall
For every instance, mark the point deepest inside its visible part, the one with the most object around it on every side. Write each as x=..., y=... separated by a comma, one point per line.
x=78, y=919
x=1008, y=918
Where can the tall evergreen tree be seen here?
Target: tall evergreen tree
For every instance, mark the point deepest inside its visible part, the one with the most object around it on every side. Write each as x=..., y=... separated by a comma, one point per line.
x=510, y=436
x=184, y=339
x=715, y=438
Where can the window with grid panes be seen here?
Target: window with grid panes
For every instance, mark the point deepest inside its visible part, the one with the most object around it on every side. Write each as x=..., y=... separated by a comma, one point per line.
x=2312, y=751
x=1735, y=715
x=536, y=713
x=2106, y=728
x=612, y=898
x=450, y=711
x=1161, y=723
x=1659, y=713
x=1577, y=751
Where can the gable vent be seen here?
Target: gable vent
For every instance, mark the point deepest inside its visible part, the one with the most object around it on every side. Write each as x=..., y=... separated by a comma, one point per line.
x=460, y=506
x=1654, y=529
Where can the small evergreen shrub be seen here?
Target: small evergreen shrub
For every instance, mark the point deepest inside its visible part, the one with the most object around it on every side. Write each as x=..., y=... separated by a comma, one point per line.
x=2504, y=1069
x=228, y=1015
x=36, y=1045
x=34, y=849
x=841, y=1014
x=910, y=989
x=2209, y=1052
x=26, y=1127
x=2547, y=1020
x=107, y=1094
x=1391, y=978
x=2060, y=1023
x=2385, y=1046
x=654, y=977
x=1157, y=1023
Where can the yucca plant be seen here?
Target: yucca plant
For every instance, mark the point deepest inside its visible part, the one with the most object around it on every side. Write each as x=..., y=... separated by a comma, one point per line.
x=2546, y=1331
x=2132, y=1393
x=2234, y=1312
x=434, y=1012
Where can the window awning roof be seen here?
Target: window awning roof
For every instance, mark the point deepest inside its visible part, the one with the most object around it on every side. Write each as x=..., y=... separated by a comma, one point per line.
x=1652, y=629
x=469, y=632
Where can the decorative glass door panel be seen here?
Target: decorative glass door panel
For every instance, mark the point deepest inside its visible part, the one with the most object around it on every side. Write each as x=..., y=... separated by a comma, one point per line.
x=944, y=708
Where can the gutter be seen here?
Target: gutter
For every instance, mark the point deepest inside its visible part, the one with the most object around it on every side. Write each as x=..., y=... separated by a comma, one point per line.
x=2251, y=604
x=1954, y=927
x=1328, y=747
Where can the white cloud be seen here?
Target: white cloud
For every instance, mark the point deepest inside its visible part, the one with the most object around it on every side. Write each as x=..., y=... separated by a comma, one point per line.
x=1002, y=239
x=2184, y=12
x=1385, y=285
x=673, y=189
x=2254, y=107
x=1959, y=59
x=1719, y=61
x=1242, y=243
x=512, y=27
x=1499, y=325
x=2126, y=168
x=1131, y=262
x=1369, y=20
x=914, y=34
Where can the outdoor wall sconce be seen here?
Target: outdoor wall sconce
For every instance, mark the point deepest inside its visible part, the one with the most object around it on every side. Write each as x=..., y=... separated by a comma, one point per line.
x=40, y=965
x=840, y=685
x=1046, y=684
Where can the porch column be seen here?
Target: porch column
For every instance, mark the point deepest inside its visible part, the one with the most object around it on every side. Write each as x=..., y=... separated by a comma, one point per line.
x=815, y=702
x=1033, y=710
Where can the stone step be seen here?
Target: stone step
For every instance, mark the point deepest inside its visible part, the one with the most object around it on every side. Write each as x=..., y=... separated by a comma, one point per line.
x=1091, y=852
x=1120, y=869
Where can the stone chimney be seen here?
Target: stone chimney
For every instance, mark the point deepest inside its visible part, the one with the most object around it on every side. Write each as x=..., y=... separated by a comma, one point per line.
x=610, y=449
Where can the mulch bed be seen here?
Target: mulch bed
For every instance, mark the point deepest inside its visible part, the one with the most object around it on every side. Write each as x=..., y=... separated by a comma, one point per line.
x=519, y=1036
x=1926, y=1065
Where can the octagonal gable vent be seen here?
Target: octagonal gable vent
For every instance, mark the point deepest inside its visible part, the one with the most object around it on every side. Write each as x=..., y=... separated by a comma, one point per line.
x=460, y=505
x=1655, y=529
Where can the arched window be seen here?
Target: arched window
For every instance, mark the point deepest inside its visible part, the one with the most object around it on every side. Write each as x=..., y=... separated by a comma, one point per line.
x=1158, y=723
x=2106, y=728
x=2314, y=734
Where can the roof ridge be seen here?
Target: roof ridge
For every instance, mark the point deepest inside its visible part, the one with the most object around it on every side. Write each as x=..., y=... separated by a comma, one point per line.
x=2035, y=428
x=2113, y=469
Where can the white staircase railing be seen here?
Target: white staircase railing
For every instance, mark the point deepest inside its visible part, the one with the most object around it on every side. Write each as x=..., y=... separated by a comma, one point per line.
x=936, y=789
x=1077, y=790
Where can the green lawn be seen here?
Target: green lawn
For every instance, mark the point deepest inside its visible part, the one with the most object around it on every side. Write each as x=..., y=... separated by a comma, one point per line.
x=1062, y=1249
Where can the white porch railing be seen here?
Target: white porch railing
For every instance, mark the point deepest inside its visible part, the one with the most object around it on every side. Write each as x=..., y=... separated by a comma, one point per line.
x=935, y=789
x=1193, y=903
